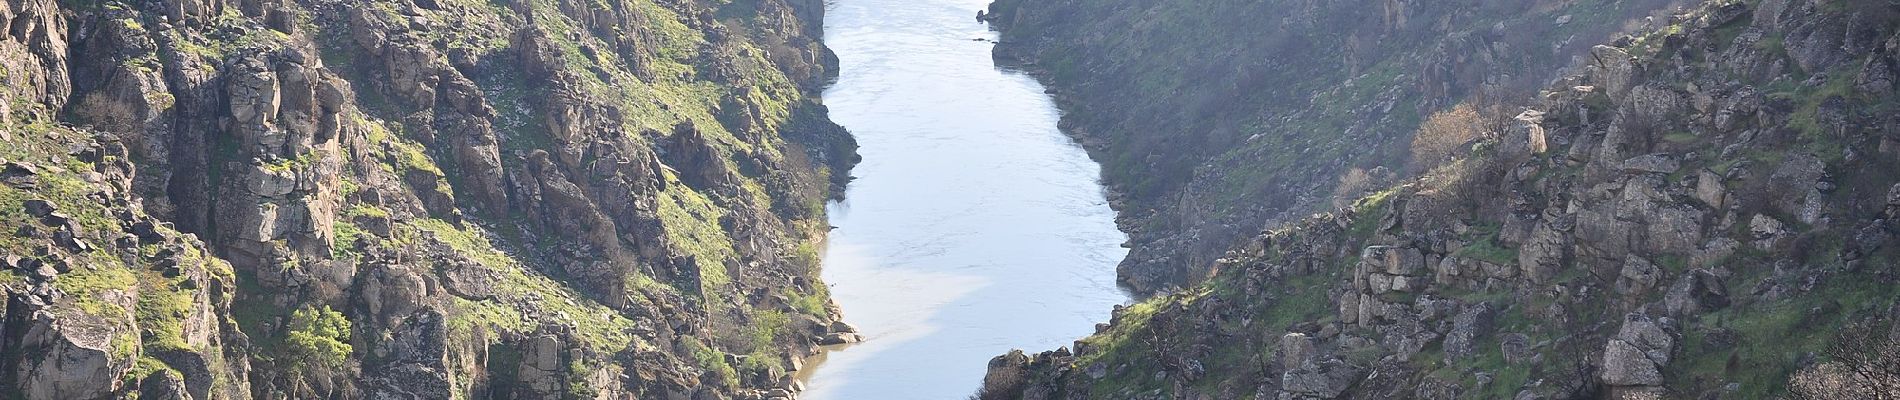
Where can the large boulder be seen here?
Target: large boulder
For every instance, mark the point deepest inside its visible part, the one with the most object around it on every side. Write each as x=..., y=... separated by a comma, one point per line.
x=1637, y=278
x=1318, y=380
x=1612, y=69
x=1696, y=292
x=1467, y=329
x=1637, y=354
x=66, y=353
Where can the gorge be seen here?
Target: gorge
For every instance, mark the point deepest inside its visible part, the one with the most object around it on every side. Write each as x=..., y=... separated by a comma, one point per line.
x=884, y=199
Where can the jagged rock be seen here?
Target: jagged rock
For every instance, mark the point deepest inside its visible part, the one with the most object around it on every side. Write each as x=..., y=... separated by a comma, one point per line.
x=1468, y=329
x=1717, y=249
x=1318, y=380
x=1516, y=348
x=69, y=354
x=409, y=364
x=468, y=279
x=1893, y=202
x=837, y=338
x=541, y=369
x=1709, y=189
x=1696, y=292
x=40, y=208
x=1295, y=349
x=1767, y=232
x=217, y=118
x=1394, y=260
x=267, y=182
x=1652, y=163
x=841, y=326
x=1877, y=77
x=1539, y=258
x=1611, y=70
x=1795, y=188
x=163, y=385
x=19, y=175
x=392, y=292
x=1527, y=135
x=1638, y=277
x=1636, y=355
x=1006, y=374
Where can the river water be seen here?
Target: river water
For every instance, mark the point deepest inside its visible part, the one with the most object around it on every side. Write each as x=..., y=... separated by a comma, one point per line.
x=974, y=226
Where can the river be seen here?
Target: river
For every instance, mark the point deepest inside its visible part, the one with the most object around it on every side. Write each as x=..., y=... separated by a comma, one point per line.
x=974, y=226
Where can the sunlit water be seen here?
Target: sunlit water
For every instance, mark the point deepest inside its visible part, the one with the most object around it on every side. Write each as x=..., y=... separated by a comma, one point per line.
x=974, y=225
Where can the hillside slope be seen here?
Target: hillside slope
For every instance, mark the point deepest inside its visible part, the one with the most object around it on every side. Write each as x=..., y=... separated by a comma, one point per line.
x=1198, y=110
x=214, y=199
x=1702, y=211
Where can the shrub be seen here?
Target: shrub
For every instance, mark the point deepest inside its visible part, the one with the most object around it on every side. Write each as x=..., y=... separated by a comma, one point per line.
x=1352, y=185
x=1865, y=365
x=1443, y=136
x=318, y=338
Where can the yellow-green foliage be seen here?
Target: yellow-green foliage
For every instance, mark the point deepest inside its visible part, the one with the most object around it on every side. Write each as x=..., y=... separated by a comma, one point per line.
x=318, y=337
x=162, y=309
x=712, y=361
x=89, y=287
x=765, y=326
x=345, y=234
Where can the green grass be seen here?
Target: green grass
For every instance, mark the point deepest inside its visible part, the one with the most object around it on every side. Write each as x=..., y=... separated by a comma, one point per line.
x=1488, y=250
x=691, y=222
x=162, y=309
x=1485, y=244
x=1368, y=211
x=597, y=326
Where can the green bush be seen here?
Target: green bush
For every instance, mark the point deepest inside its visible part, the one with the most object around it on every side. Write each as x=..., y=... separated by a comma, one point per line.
x=318, y=337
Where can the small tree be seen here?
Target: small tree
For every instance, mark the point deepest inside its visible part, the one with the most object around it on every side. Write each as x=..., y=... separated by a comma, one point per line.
x=318, y=338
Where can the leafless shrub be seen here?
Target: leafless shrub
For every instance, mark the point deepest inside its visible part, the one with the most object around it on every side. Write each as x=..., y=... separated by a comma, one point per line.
x=1443, y=136
x=1352, y=185
x=1865, y=364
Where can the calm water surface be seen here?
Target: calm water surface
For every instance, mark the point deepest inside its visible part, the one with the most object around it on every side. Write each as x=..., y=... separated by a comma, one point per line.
x=974, y=226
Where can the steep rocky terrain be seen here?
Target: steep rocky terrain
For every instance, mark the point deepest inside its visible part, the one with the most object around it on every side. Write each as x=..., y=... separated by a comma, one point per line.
x=1215, y=119
x=1701, y=211
x=427, y=199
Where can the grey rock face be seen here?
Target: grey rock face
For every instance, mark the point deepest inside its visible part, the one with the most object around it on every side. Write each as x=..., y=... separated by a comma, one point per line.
x=1469, y=328
x=1696, y=292
x=1318, y=380
x=1636, y=355
x=1611, y=69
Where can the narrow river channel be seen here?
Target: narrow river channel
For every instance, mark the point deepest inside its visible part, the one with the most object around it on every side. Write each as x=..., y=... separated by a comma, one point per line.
x=974, y=225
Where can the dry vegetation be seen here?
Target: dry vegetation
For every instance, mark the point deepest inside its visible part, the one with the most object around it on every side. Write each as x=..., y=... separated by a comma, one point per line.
x=1865, y=365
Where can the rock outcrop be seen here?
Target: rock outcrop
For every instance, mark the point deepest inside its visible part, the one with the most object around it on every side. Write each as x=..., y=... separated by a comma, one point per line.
x=1216, y=120
x=217, y=199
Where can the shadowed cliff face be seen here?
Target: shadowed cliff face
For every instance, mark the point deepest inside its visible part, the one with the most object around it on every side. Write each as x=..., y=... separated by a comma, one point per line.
x=413, y=199
x=1699, y=211
x=1214, y=120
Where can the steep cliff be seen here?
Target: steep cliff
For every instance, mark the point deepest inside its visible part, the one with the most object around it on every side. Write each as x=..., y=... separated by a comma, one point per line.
x=1213, y=120
x=215, y=199
x=1701, y=211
